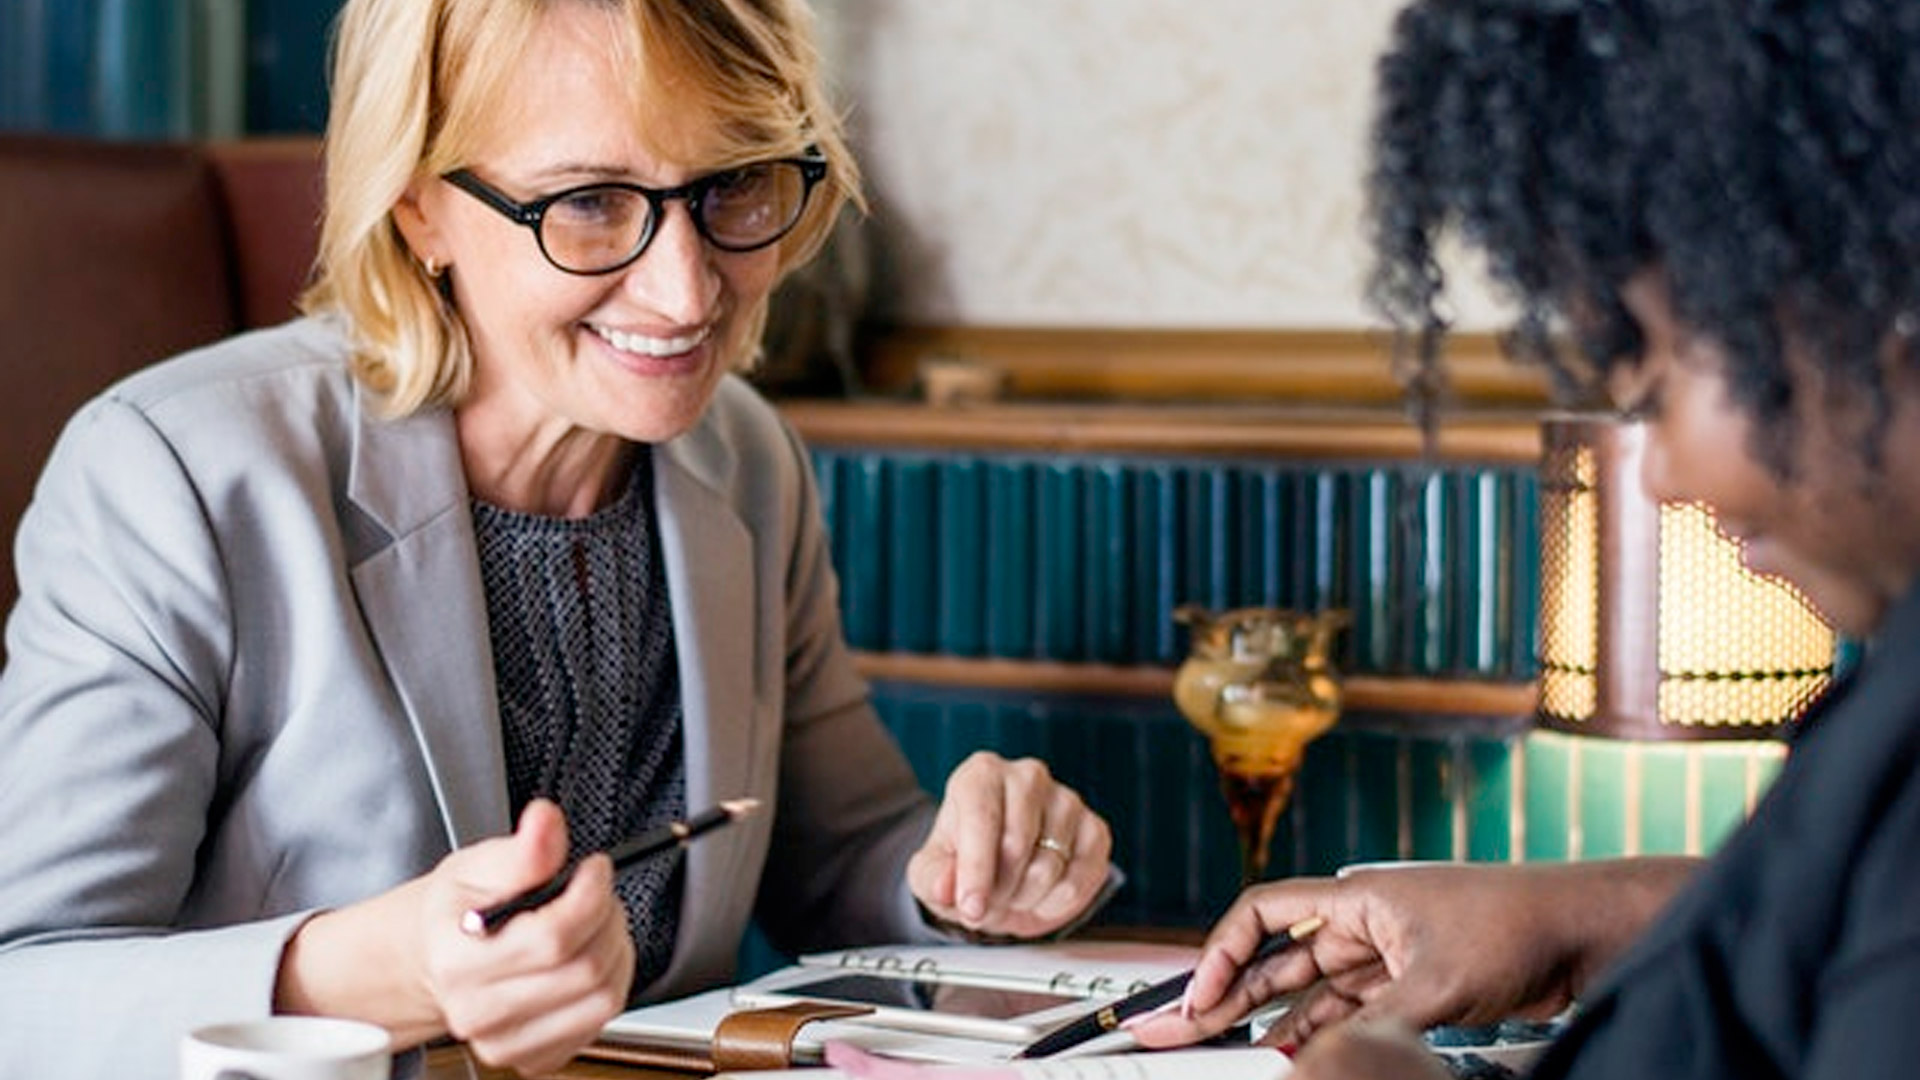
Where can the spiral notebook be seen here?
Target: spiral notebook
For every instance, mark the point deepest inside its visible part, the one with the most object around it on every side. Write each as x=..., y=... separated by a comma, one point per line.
x=947, y=1027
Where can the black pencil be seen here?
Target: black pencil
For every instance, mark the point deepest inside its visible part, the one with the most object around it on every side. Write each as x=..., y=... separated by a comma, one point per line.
x=654, y=841
x=1112, y=1015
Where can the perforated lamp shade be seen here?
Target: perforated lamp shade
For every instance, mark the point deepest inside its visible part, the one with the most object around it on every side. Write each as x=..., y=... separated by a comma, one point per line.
x=1650, y=626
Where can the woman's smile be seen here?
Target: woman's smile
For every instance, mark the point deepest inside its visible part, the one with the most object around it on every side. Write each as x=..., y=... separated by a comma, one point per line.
x=651, y=344
x=682, y=352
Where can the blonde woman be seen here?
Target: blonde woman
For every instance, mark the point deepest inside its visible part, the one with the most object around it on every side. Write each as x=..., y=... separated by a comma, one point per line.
x=331, y=633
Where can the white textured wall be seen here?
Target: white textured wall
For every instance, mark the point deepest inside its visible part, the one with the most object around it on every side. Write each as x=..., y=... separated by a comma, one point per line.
x=1145, y=163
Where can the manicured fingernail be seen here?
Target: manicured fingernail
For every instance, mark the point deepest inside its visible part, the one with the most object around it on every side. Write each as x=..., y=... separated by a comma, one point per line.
x=973, y=905
x=1288, y=1048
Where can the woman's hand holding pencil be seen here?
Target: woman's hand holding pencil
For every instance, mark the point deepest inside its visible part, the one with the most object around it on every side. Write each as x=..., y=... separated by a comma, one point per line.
x=1420, y=944
x=526, y=998
x=505, y=945
x=1158, y=996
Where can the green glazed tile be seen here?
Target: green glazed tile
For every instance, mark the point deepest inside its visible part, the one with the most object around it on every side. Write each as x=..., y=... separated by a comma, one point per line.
x=1323, y=540
x=1108, y=573
x=1436, y=768
x=1261, y=540
x=1548, y=764
x=1489, y=798
x=1210, y=514
x=1478, y=613
x=1297, y=528
x=1157, y=563
x=1524, y=532
x=960, y=557
x=1370, y=579
x=910, y=529
x=1725, y=788
x=1376, y=797
x=1322, y=796
x=862, y=536
x=1605, y=803
x=1429, y=572
x=1060, y=554
x=1010, y=558
x=1663, y=801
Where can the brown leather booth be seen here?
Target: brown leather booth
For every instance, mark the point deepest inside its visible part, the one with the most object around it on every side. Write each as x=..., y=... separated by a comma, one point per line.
x=114, y=255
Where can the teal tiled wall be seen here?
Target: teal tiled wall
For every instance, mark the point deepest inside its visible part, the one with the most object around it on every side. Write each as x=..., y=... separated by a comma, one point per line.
x=1084, y=559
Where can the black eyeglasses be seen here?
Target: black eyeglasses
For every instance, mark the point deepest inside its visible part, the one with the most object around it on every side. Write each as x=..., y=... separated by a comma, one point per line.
x=599, y=228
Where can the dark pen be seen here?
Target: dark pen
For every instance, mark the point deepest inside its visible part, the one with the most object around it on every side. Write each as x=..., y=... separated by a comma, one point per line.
x=482, y=921
x=1112, y=1015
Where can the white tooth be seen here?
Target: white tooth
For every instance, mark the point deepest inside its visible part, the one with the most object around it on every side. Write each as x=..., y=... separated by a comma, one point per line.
x=651, y=346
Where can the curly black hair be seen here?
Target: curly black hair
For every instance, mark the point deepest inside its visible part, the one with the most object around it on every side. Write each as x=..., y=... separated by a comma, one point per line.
x=1764, y=154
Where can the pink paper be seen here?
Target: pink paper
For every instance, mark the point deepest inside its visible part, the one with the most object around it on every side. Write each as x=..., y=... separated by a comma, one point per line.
x=862, y=1065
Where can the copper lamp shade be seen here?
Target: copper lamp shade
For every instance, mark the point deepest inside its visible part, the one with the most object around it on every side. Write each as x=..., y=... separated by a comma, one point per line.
x=1650, y=626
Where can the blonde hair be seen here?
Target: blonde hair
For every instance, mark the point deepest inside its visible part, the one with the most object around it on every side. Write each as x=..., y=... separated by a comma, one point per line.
x=415, y=84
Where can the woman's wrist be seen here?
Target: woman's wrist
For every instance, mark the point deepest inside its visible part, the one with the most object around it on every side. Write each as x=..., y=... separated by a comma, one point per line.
x=1606, y=905
x=353, y=962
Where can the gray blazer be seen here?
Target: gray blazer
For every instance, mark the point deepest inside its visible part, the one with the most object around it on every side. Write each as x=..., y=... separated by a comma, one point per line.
x=249, y=678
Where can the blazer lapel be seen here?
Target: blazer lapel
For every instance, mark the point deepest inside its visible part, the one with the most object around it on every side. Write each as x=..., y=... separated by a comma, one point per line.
x=709, y=560
x=710, y=573
x=425, y=608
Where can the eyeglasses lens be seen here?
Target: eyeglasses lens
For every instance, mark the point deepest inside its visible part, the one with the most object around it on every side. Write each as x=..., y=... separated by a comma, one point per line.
x=594, y=228
x=745, y=208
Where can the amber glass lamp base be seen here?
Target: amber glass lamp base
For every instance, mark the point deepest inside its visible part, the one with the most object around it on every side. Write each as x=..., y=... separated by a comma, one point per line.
x=1258, y=684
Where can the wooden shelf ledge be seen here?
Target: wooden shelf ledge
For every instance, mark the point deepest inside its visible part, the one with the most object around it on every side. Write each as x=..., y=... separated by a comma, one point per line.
x=1326, y=434
x=1406, y=696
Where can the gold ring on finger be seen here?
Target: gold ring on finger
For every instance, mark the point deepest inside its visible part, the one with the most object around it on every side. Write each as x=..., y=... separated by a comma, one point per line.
x=1048, y=843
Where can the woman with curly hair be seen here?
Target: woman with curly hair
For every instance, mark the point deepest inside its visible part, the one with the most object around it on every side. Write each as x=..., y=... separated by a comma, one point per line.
x=1708, y=210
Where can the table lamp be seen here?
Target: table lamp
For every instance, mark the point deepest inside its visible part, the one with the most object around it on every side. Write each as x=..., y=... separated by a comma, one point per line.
x=1651, y=628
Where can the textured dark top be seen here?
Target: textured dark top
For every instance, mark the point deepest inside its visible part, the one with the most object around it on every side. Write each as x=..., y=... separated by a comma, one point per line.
x=582, y=635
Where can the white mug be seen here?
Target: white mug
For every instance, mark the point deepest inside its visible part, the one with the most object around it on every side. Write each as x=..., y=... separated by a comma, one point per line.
x=287, y=1048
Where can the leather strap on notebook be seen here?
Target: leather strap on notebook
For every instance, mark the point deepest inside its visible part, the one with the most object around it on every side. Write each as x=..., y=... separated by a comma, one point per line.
x=763, y=1038
x=748, y=1039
